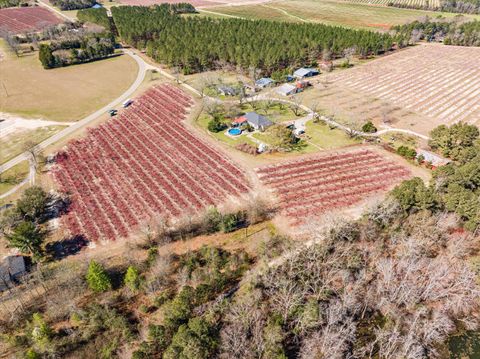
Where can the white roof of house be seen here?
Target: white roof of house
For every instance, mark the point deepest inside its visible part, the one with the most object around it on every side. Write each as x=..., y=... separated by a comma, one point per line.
x=433, y=158
x=264, y=81
x=303, y=71
x=286, y=88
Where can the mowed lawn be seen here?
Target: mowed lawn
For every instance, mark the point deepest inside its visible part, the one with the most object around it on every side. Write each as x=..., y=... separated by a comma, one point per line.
x=13, y=176
x=329, y=12
x=63, y=94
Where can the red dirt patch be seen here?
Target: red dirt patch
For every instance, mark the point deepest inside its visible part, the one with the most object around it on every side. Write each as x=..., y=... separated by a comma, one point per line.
x=382, y=26
x=23, y=19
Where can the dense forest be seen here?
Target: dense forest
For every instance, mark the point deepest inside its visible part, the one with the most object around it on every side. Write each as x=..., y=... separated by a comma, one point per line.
x=449, y=32
x=196, y=44
x=73, y=4
x=95, y=16
x=76, y=51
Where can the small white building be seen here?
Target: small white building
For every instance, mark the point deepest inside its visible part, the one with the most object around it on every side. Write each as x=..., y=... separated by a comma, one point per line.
x=433, y=158
x=264, y=82
x=287, y=90
x=305, y=72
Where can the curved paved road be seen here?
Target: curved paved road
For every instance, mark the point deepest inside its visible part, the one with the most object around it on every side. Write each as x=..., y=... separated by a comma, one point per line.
x=142, y=69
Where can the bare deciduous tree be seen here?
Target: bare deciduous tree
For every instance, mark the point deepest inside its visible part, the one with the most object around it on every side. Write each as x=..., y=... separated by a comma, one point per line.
x=296, y=105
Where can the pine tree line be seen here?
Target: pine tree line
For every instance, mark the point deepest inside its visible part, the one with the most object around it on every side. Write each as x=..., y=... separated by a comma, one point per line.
x=197, y=44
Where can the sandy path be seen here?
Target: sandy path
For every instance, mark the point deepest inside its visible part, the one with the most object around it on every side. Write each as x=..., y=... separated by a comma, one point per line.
x=9, y=124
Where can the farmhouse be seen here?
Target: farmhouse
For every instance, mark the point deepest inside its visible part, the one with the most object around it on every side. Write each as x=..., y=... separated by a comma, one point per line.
x=255, y=120
x=264, y=82
x=287, y=90
x=11, y=269
x=305, y=72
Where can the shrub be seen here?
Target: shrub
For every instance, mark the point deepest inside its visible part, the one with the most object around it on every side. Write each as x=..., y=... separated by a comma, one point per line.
x=195, y=340
x=216, y=125
x=407, y=152
x=41, y=333
x=32, y=354
x=159, y=337
x=163, y=297
x=132, y=279
x=212, y=220
x=179, y=310
x=230, y=222
x=97, y=278
x=369, y=127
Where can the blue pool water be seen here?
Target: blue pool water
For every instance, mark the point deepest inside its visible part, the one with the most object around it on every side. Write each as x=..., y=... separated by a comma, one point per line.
x=234, y=131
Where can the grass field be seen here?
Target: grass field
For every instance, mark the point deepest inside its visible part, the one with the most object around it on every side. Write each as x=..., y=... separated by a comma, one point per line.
x=13, y=176
x=432, y=4
x=318, y=137
x=330, y=12
x=14, y=145
x=64, y=94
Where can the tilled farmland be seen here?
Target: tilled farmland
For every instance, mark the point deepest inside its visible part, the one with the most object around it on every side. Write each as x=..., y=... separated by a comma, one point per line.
x=309, y=187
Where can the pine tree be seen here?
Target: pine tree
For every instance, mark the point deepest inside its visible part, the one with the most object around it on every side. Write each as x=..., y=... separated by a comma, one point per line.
x=97, y=278
x=27, y=238
x=132, y=279
x=46, y=56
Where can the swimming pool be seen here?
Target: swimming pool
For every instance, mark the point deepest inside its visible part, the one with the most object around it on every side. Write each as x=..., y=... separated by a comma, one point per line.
x=234, y=131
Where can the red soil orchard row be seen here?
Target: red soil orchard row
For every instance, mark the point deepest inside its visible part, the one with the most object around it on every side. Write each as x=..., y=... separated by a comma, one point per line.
x=27, y=19
x=140, y=165
x=307, y=188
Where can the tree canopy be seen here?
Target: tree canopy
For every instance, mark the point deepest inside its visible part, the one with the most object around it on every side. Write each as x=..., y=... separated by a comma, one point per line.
x=197, y=44
x=28, y=238
x=97, y=278
x=456, y=142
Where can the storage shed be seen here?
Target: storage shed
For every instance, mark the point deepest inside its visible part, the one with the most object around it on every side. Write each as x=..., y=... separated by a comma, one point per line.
x=287, y=90
x=305, y=72
x=264, y=82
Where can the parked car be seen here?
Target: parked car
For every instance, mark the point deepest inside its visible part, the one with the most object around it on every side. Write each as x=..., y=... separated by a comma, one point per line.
x=127, y=103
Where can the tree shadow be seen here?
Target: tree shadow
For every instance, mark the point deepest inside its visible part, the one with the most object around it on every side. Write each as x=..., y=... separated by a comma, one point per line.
x=66, y=247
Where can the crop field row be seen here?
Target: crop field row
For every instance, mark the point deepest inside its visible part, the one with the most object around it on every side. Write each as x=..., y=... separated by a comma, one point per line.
x=440, y=82
x=141, y=165
x=309, y=187
x=196, y=3
x=402, y=3
x=354, y=14
x=23, y=19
